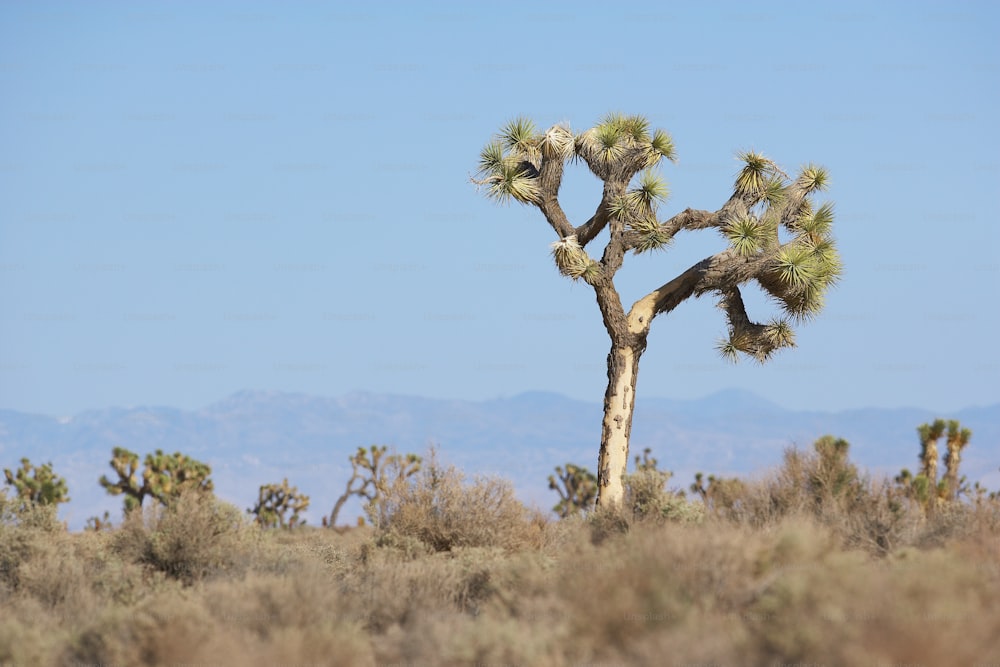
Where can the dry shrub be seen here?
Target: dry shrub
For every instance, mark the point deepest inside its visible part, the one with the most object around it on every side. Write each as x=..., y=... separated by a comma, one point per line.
x=866, y=513
x=23, y=642
x=196, y=536
x=303, y=615
x=25, y=532
x=166, y=628
x=787, y=590
x=437, y=507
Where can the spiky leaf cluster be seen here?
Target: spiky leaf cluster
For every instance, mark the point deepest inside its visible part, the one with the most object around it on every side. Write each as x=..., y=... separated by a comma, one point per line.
x=572, y=260
x=746, y=235
x=508, y=165
x=758, y=341
x=802, y=269
x=756, y=178
x=623, y=144
x=637, y=209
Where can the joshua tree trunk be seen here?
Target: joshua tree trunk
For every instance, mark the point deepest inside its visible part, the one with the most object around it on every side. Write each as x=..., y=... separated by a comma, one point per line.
x=619, y=403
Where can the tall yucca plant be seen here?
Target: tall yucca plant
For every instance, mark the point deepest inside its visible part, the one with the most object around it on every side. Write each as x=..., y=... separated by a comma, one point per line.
x=624, y=151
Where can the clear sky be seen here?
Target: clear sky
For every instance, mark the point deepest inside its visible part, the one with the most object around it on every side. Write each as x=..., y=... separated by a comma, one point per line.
x=199, y=198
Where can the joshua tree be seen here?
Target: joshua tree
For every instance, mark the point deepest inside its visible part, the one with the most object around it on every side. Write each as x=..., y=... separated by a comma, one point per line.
x=775, y=235
x=164, y=477
x=925, y=487
x=577, y=488
x=276, y=500
x=956, y=441
x=373, y=471
x=37, y=485
x=834, y=473
x=929, y=435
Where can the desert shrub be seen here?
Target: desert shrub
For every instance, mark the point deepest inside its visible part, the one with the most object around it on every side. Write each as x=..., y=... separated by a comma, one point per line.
x=647, y=497
x=645, y=492
x=25, y=529
x=867, y=513
x=165, y=628
x=23, y=642
x=438, y=507
x=194, y=537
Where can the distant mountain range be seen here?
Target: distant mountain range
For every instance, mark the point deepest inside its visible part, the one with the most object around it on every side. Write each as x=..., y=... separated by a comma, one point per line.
x=257, y=437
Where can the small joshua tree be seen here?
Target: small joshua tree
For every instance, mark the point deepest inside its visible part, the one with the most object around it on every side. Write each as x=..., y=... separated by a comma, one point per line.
x=957, y=440
x=373, y=471
x=775, y=235
x=37, y=485
x=274, y=501
x=925, y=487
x=929, y=436
x=834, y=474
x=577, y=489
x=165, y=477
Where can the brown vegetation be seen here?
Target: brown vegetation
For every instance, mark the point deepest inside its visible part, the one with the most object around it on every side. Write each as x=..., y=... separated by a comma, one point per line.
x=813, y=563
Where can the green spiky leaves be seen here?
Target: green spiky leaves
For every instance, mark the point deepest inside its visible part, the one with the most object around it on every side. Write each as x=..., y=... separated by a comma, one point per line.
x=796, y=266
x=813, y=178
x=507, y=176
x=508, y=165
x=663, y=146
x=623, y=145
x=650, y=191
x=819, y=223
x=754, y=179
x=746, y=235
x=801, y=274
x=637, y=209
x=491, y=158
x=573, y=261
x=521, y=139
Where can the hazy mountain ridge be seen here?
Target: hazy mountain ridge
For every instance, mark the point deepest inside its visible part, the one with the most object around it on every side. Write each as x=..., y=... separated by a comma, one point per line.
x=255, y=437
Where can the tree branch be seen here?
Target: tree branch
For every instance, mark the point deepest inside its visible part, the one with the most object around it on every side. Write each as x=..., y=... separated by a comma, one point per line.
x=692, y=219
x=721, y=271
x=550, y=180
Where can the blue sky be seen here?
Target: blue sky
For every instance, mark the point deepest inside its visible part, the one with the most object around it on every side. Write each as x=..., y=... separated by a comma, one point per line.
x=201, y=198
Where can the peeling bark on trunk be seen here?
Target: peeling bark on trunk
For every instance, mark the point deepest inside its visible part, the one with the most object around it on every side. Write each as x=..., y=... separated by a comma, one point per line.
x=619, y=403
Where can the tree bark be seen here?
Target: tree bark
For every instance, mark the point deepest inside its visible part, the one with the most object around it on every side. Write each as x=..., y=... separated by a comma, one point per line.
x=619, y=403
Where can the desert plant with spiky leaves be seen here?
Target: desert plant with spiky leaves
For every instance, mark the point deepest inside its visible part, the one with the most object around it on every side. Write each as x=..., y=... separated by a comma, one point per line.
x=577, y=489
x=775, y=236
x=957, y=439
x=164, y=477
x=834, y=474
x=274, y=501
x=37, y=485
x=373, y=470
x=925, y=487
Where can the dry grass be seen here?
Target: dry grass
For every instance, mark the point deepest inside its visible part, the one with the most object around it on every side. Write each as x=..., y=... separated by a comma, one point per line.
x=460, y=573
